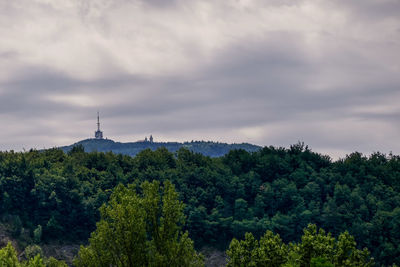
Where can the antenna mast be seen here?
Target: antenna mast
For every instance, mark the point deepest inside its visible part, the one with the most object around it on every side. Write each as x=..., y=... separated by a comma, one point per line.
x=98, y=121
x=98, y=134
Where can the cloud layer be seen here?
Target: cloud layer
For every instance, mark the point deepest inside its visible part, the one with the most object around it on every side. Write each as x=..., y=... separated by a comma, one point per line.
x=264, y=72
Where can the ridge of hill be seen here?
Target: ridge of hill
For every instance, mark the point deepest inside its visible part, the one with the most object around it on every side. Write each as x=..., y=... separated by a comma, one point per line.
x=207, y=148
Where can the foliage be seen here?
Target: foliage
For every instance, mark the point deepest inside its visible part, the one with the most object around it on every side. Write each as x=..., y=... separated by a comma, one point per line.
x=32, y=250
x=320, y=262
x=315, y=249
x=276, y=189
x=269, y=251
x=8, y=258
x=37, y=234
x=140, y=227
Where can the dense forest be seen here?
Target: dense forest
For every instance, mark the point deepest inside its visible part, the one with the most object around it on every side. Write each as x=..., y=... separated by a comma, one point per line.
x=52, y=195
x=141, y=225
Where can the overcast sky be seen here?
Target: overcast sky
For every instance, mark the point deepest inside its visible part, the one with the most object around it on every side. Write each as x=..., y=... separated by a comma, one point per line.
x=326, y=72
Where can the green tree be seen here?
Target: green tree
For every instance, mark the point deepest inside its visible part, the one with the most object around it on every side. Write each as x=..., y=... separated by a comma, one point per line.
x=347, y=254
x=315, y=249
x=315, y=243
x=320, y=262
x=36, y=261
x=140, y=226
x=52, y=262
x=272, y=251
x=32, y=250
x=269, y=251
x=244, y=252
x=240, y=209
x=8, y=256
x=37, y=234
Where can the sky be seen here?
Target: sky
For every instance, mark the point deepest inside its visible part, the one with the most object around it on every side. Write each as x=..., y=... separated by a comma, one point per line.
x=266, y=72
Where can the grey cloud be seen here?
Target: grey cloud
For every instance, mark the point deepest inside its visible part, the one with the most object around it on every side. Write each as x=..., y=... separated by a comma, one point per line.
x=273, y=82
x=372, y=9
x=263, y=84
x=9, y=54
x=39, y=80
x=87, y=7
x=226, y=99
x=274, y=73
x=161, y=3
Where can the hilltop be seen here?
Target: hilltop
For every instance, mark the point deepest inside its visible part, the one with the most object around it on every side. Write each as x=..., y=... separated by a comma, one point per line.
x=207, y=148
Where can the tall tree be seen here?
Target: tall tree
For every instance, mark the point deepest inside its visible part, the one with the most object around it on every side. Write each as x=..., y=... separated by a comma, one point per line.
x=140, y=226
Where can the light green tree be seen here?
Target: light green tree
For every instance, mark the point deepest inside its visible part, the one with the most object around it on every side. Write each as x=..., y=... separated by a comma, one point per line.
x=269, y=251
x=36, y=261
x=272, y=251
x=315, y=243
x=315, y=249
x=8, y=256
x=347, y=253
x=140, y=226
x=244, y=252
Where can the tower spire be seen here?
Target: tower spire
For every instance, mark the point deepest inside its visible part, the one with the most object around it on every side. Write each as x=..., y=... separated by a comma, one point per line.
x=98, y=134
x=98, y=121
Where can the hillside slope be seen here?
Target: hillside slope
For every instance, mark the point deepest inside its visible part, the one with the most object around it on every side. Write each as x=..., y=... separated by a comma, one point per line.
x=211, y=149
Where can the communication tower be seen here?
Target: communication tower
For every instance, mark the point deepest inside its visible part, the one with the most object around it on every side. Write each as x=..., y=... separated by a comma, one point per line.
x=98, y=134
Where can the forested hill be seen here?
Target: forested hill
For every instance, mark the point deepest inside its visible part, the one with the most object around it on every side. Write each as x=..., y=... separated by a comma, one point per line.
x=57, y=195
x=207, y=148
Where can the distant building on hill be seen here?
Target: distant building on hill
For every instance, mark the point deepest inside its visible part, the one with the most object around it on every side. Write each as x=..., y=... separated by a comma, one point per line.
x=147, y=140
x=98, y=134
